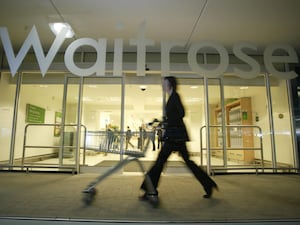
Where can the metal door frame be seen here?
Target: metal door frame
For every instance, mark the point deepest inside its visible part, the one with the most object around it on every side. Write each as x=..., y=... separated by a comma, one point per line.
x=78, y=123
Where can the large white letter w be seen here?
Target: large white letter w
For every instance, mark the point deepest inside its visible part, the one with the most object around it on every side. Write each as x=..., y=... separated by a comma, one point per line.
x=34, y=41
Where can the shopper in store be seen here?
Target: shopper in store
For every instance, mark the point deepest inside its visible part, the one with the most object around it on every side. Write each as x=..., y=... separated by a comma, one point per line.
x=128, y=137
x=175, y=137
x=159, y=136
x=152, y=137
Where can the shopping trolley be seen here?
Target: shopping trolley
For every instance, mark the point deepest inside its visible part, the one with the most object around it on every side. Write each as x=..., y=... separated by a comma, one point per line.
x=108, y=145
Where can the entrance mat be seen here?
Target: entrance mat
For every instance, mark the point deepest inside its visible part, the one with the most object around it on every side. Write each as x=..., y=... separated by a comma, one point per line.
x=134, y=166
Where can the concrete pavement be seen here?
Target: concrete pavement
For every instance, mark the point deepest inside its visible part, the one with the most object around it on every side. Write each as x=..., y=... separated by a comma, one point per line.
x=242, y=198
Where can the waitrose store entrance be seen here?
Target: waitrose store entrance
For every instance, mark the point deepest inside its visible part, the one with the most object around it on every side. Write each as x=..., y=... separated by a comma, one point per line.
x=65, y=122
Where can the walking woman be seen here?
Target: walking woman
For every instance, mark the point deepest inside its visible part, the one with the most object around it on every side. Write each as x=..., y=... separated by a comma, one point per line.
x=175, y=138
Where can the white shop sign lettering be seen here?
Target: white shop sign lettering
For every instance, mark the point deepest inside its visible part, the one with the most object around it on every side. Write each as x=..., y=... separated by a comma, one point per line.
x=141, y=42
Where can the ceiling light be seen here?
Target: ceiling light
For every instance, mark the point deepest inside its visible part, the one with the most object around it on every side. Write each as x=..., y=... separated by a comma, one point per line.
x=194, y=100
x=57, y=27
x=194, y=87
x=143, y=87
x=244, y=88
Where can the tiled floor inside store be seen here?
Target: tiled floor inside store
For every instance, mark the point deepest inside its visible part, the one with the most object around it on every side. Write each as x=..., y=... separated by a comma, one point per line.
x=93, y=158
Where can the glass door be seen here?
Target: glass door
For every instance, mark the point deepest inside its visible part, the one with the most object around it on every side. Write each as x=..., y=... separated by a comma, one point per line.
x=191, y=91
x=68, y=154
x=236, y=129
x=101, y=121
x=143, y=104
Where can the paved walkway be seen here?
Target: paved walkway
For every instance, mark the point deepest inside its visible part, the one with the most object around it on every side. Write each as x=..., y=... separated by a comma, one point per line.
x=241, y=198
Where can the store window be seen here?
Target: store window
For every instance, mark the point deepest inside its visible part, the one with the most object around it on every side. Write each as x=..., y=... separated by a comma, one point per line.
x=7, y=99
x=245, y=121
x=247, y=133
x=40, y=104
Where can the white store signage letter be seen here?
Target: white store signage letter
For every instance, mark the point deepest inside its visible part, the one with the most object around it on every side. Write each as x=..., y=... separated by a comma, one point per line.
x=141, y=42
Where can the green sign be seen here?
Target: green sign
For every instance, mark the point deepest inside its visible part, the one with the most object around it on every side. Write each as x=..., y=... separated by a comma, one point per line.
x=34, y=114
x=245, y=115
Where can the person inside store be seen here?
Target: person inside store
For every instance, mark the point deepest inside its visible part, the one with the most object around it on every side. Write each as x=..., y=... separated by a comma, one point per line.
x=159, y=136
x=174, y=140
x=128, y=137
x=110, y=136
x=152, y=137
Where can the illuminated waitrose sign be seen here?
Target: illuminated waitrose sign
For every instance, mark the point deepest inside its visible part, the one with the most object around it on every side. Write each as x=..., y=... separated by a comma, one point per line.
x=98, y=67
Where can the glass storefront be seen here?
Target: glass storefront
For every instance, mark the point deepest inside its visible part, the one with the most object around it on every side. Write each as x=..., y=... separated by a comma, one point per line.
x=64, y=121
